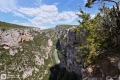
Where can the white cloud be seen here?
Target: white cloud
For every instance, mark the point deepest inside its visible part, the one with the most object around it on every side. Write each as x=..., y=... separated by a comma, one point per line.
x=42, y=15
x=7, y=6
x=18, y=14
x=47, y=14
x=29, y=11
x=66, y=16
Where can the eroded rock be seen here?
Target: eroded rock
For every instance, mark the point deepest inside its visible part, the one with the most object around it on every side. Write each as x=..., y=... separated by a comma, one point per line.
x=13, y=52
x=14, y=37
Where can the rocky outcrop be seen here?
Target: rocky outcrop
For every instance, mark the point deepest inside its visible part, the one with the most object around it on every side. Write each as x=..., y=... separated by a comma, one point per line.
x=27, y=73
x=36, y=29
x=68, y=59
x=13, y=52
x=106, y=69
x=14, y=37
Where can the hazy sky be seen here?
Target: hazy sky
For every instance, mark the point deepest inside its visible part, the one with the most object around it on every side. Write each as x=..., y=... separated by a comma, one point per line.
x=42, y=13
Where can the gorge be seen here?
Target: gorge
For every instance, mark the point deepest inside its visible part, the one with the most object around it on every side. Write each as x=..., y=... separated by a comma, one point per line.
x=51, y=54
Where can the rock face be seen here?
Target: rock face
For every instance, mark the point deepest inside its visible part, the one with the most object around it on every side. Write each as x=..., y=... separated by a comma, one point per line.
x=68, y=59
x=30, y=60
x=107, y=69
x=13, y=37
x=27, y=73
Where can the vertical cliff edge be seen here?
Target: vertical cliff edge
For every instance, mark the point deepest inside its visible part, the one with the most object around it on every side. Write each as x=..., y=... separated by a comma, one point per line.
x=107, y=68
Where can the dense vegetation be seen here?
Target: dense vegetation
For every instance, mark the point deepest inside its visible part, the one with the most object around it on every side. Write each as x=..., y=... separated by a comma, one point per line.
x=99, y=34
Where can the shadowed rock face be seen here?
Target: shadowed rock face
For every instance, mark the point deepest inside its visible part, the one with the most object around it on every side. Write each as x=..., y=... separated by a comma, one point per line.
x=13, y=37
x=68, y=59
x=54, y=72
x=106, y=69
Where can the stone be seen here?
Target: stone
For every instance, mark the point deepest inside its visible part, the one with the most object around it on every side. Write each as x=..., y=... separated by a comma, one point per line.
x=21, y=49
x=6, y=47
x=39, y=61
x=50, y=42
x=27, y=73
x=13, y=52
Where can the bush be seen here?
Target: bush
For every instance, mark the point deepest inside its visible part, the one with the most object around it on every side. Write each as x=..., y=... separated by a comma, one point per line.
x=74, y=29
x=59, y=54
x=3, y=29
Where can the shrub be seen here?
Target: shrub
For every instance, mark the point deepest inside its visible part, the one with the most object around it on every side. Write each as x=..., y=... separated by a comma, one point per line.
x=74, y=29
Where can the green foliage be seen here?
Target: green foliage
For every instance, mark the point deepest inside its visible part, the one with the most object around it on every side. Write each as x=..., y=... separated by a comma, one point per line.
x=100, y=32
x=92, y=39
x=110, y=20
x=91, y=2
x=64, y=40
x=59, y=54
x=3, y=29
x=74, y=29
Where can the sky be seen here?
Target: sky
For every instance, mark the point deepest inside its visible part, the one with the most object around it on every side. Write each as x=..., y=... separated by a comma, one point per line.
x=42, y=13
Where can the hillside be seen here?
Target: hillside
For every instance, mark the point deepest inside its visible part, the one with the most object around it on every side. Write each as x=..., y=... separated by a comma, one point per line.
x=31, y=59
x=27, y=52
x=9, y=25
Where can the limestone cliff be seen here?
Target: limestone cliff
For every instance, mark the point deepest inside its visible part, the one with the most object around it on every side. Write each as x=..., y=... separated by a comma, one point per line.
x=27, y=53
x=106, y=69
x=14, y=37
